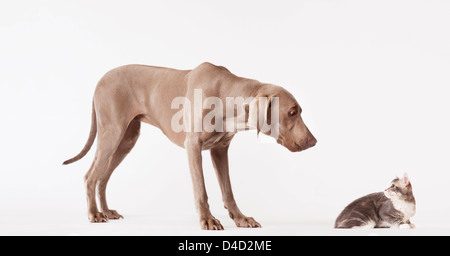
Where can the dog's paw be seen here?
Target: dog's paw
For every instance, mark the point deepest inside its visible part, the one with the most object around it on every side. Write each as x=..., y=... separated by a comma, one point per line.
x=210, y=223
x=98, y=217
x=112, y=214
x=246, y=222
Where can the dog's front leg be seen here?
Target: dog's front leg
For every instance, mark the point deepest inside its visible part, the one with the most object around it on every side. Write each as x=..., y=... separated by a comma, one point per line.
x=207, y=221
x=219, y=156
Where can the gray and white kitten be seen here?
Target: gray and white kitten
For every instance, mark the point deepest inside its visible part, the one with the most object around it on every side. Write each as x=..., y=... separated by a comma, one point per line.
x=392, y=208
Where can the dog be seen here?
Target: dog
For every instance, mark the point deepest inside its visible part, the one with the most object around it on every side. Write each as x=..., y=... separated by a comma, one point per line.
x=131, y=94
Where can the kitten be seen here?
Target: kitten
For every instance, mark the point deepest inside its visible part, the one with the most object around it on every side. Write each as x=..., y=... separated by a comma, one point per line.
x=389, y=209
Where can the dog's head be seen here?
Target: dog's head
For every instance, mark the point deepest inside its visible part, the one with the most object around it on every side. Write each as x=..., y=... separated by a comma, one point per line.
x=276, y=113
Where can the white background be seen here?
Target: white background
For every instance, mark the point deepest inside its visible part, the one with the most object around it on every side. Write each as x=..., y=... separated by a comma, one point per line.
x=371, y=76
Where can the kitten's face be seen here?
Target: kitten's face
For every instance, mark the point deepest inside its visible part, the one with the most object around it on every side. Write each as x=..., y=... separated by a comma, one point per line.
x=400, y=188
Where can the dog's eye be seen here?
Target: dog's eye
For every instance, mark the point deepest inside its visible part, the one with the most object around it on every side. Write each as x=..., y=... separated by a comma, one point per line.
x=292, y=112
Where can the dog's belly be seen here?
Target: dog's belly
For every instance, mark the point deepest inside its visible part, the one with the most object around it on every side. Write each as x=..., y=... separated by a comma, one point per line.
x=176, y=138
x=218, y=139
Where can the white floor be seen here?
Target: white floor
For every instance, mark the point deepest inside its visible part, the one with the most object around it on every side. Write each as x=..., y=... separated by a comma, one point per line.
x=76, y=224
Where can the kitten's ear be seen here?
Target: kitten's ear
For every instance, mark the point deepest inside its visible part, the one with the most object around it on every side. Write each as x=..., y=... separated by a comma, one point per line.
x=405, y=180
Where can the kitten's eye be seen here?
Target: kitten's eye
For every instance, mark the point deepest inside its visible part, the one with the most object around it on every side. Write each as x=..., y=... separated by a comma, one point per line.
x=394, y=188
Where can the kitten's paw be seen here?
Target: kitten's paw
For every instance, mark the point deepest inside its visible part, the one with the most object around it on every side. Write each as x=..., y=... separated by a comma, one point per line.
x=404, y=226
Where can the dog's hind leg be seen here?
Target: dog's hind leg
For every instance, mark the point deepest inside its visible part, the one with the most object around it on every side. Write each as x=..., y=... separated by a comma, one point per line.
x=125, y=146
x=108, y=140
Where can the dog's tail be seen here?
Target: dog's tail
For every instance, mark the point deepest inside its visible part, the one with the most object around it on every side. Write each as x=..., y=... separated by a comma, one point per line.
x=90, y=141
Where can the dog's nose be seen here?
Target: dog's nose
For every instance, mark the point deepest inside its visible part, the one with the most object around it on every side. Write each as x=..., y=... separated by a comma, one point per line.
x=312, y=142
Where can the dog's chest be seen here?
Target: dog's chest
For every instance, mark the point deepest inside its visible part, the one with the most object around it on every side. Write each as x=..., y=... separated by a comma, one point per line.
x=218, y=139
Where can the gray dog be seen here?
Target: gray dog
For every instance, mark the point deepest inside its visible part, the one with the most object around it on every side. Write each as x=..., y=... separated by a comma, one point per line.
x=129, y=95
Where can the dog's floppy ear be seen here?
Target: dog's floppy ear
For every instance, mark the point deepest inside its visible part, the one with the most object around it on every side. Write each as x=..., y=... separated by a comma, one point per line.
x=259, y=112
x=252, y=121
